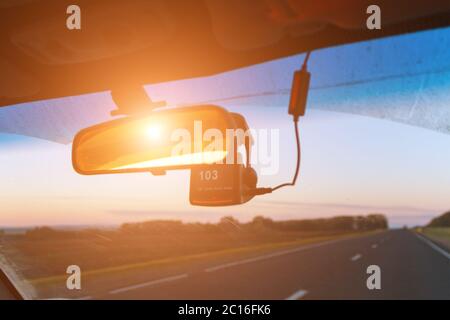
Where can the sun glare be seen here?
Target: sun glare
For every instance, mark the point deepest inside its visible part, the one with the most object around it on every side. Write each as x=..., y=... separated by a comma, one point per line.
x=153, y=132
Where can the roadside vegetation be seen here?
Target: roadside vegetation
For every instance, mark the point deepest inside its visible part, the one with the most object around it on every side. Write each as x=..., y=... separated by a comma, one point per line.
x=439, y=229
x=442, y=221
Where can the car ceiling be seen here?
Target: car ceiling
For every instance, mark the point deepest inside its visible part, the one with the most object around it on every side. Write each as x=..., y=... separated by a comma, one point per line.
x=138, y=42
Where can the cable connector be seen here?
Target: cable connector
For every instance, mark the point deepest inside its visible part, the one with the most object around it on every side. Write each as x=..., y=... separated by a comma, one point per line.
x=299, y=91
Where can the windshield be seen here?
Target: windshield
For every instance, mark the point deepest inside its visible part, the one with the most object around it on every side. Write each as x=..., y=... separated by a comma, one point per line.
x=375, y=140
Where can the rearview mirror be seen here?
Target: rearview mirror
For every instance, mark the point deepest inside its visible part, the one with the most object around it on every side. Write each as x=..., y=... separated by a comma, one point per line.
x=178, y=138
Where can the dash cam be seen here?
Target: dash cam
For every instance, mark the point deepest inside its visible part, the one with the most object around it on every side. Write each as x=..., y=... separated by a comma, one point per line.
x=221, y=184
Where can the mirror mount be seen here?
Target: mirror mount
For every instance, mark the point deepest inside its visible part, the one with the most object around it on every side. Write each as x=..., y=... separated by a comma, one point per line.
x=133, y=99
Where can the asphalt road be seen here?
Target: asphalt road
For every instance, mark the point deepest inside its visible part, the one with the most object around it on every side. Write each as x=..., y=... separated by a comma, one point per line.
x=411, y=268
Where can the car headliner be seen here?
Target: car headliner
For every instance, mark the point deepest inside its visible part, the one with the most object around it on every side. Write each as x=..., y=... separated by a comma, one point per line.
x=125, y=44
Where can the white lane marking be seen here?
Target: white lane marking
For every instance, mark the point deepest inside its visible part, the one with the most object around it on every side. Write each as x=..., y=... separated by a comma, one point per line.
x=356, y=257
x=297, y=295
x=434, y=246
x=149, y=283
x=374, y=246
x=272, y=255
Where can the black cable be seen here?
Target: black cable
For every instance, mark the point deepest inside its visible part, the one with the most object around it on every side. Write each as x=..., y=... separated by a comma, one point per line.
x=297, y=136
x=297, y=169
x=260, y=191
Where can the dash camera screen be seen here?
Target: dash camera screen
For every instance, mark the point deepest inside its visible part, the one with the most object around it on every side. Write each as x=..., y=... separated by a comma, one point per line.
x=216, y=184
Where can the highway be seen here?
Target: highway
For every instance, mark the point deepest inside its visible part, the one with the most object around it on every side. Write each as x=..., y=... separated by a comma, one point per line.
x=412, y=267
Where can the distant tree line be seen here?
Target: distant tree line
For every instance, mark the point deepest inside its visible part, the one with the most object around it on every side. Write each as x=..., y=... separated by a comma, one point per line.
x=226, y=224
x=340, y=223
x=442, y=221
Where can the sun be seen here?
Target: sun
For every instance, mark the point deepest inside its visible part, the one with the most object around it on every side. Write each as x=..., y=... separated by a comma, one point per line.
x=153, y=132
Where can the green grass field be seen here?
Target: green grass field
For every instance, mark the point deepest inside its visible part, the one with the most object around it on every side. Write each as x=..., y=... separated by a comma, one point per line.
x=441, y=235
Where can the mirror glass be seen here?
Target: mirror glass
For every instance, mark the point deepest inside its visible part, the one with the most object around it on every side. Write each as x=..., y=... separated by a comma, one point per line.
x=167, y=139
